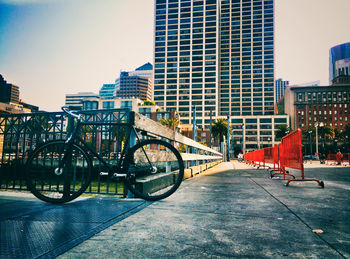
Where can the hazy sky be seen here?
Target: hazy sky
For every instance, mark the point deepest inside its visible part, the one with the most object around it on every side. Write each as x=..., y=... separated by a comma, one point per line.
x=53, y=47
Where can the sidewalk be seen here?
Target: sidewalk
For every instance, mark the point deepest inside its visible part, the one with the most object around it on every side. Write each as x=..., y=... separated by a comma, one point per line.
x=234, y=211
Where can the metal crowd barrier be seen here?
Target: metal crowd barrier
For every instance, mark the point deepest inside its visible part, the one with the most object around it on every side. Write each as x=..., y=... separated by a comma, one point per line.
x=286, y=155
x=338, y=158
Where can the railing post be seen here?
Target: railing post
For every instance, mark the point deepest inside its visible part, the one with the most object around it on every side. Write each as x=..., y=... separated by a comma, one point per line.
x=132, y=142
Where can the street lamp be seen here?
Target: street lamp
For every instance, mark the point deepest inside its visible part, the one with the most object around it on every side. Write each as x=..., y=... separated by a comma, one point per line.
x=268, y=140
x=242, y=125
x=228, y=138
x=316, y=126
x=310, y=132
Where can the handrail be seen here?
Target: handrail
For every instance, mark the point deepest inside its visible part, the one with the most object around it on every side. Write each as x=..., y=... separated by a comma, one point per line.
x=151, y=126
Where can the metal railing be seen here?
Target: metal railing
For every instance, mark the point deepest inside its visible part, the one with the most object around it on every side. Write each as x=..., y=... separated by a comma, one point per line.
x=21, y=133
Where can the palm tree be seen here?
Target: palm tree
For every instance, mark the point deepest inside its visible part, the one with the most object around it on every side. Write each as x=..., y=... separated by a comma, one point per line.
x=219, y=129
x=171, y=123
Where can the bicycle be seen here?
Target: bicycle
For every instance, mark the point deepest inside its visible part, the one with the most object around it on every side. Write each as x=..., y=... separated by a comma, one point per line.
x=60, y=170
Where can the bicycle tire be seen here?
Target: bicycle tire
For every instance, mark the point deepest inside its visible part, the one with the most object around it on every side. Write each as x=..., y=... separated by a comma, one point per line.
x=47, y=182
x=165, y=159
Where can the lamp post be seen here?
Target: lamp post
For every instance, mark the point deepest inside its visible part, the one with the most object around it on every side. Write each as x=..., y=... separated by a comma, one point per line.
x=322, y=137
x=310, y=133
x=194, y=123
x=228, y=138
x=210, y=125
x=268, y=140
x=242, y=125
x=316, y=126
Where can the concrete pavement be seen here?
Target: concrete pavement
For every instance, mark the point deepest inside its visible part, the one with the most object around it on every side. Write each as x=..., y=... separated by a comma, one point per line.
x=234, y=211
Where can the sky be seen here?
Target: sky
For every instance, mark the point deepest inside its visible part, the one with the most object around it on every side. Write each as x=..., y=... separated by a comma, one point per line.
x=50, y=48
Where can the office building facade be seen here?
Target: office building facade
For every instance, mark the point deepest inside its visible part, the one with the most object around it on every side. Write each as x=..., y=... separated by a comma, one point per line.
x=9, y=93
x=108, y=91
x=216, y=55
x=146, y=70
x=76, y=100
x=133, y=86
x=315, y=104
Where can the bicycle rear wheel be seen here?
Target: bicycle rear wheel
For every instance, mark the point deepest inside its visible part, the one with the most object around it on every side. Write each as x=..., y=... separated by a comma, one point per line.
x=154, y=169
x=54, y=176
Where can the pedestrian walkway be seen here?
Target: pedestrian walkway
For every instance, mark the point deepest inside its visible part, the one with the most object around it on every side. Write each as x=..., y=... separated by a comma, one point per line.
x=234, y=211
x=33, y=229
x=230, y=211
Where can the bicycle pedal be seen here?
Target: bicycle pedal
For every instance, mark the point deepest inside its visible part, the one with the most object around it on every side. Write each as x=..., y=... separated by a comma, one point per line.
x=104, y=173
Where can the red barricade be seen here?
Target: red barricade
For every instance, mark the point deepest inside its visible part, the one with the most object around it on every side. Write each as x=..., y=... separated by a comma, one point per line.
x=288, y=154
x=260, y=157
x=268, y=156
x=255, y=158
x=276, y=157
x=292, y=157
x=346, y=158
x=276, y=163
x=336, y=158
x=331, y=158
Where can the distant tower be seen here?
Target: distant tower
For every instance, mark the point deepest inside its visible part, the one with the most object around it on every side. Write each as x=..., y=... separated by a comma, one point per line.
x=9, y=93
x=136, y=84
x=134, y=87
x=280, y=87
x=107, y=91
x=339, y=61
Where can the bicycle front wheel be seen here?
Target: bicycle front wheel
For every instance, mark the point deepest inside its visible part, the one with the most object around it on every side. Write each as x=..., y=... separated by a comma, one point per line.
x=154, y=168
x=57, y=176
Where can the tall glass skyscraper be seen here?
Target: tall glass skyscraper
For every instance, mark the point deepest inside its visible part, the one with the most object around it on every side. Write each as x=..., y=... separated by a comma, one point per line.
x=215, y=54
x=280, y=87
x=339, y=61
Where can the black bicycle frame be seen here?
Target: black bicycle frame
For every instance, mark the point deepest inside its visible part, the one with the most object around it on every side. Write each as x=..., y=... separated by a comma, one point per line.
x=75, y=136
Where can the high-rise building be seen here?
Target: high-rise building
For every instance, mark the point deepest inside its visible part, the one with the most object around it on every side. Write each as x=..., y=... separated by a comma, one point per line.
x=218, y=55
x=339, y=61
x=135, y=87
x=10, y=101
x=9, y=93
x=133, y=84
x=108, y=91
x=280, y=87
x=146, y=70
x=215, y=54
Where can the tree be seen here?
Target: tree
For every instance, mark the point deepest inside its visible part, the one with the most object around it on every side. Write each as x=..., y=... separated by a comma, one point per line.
x=282, y=131
x=345, y=137
x=171, y=123
x=219, y=129
x=147, y=102
x=328, y=132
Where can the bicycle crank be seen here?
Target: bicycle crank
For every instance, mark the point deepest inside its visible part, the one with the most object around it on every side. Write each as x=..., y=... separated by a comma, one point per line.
x=58, y=171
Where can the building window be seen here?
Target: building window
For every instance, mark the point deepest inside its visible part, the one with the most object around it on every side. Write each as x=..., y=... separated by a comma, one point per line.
x=126, y=104
x=144, y=110
x=108, y=105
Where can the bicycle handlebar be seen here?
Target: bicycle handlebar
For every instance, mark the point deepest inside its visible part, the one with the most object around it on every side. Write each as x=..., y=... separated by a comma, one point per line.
x=71, y=113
